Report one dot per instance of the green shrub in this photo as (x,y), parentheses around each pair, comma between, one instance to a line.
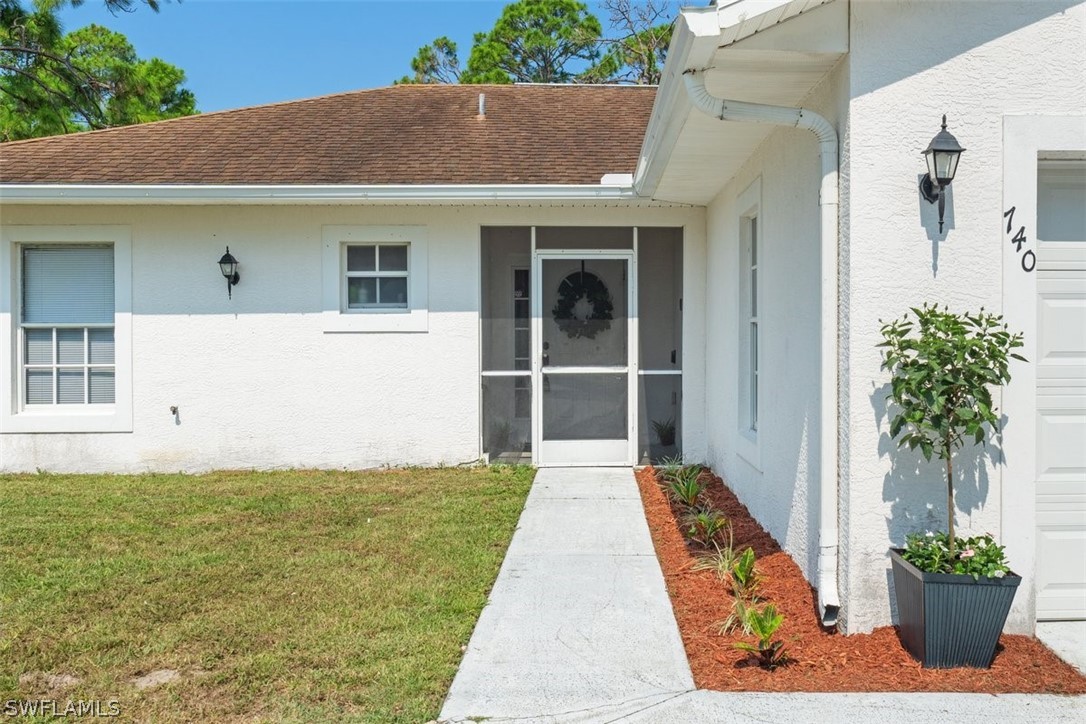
(942,368)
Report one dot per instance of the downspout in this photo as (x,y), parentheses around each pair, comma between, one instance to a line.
(727,110)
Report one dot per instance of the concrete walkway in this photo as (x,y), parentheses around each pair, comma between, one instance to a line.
(579,628)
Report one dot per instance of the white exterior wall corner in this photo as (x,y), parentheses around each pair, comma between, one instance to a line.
(695,401)
(257,380)
(783,494)
(910,62)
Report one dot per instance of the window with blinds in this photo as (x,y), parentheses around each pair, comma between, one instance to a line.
(67,325)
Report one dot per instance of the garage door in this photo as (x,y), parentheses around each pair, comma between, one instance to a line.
(1061,390)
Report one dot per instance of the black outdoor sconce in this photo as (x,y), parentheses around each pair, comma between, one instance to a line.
(229,267)
(942,159)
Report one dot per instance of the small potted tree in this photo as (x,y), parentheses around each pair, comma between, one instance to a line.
(953,594)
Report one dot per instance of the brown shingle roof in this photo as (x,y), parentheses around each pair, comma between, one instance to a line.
(532,134)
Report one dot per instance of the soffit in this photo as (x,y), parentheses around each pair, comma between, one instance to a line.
(759,59)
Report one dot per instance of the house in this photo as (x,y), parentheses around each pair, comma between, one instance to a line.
(577,275)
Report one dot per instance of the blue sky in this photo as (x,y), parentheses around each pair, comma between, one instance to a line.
(245,52)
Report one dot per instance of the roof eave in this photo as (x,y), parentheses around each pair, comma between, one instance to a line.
(693,42)
(698,36)
(294,194)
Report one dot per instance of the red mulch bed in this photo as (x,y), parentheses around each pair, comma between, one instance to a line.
(822,661)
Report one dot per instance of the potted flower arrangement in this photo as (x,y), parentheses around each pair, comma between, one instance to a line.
(953,594)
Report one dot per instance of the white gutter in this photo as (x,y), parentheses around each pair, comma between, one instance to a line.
(726,110)
(253,194)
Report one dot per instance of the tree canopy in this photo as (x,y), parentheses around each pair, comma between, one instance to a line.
(533,41)
(112,5)
(636,53)
(435,63)
(556,41)
(53,82)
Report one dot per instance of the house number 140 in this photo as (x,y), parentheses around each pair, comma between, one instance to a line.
(1029,259)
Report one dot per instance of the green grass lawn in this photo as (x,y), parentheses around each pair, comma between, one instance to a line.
(297,596)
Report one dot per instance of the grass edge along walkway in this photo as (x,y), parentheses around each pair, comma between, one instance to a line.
(288,595)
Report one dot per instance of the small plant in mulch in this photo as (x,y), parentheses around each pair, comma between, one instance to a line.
(704,525)
(738,618)
(820,660)
(745,578)
(708,526)
(672,468)
(685,487)
(763,623)
(667,469)
(722,558)
(744,581)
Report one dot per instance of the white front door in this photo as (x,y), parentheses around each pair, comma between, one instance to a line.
(584,366)
(1061,390)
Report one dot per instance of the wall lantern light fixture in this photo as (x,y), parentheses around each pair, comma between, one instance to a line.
(229,267)
(941,156)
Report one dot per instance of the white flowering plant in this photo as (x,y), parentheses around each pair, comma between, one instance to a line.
(977,556)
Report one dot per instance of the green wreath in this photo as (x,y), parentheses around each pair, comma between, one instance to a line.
(575,320)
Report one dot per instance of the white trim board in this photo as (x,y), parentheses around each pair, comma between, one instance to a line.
(1026,140)
(413,319)
(294,194)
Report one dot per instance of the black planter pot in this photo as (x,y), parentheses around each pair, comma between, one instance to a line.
(948,620)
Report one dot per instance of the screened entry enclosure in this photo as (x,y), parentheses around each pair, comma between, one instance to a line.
(581,344)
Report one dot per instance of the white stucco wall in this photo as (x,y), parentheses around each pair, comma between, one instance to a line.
(779,481)
(910,62)
(257,380)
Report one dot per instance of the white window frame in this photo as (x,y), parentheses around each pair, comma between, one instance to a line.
(377,274)
(753,341)
(15,415)
(337,318)
(750,219)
